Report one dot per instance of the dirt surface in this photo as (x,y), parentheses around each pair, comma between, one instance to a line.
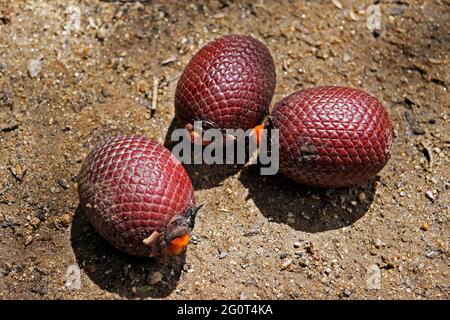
(64,87)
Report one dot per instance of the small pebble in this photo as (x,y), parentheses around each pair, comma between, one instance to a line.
(297,245)
(155,278)
(284,255)
(34,67)
(65,220)
(337,4)
(41,215)
(430,195)
(346,58)
(28,240)
(378,243)
(34,222)
(425,226)
(286,264)
(346,293)
(418,130)
(362,197)
(63,184)
(223,255)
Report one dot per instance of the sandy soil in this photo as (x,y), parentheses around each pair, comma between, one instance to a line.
(257,237)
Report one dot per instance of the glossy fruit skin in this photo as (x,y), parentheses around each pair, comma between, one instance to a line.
(332,136)
(229,84)
(129,187)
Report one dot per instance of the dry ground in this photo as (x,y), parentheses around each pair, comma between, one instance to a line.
(96,81)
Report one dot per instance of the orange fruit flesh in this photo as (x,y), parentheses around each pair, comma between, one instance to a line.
(257,132)
(178,244)
(197,139)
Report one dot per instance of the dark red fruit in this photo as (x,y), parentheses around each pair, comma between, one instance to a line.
(332,136)
(228,84)
(138,196)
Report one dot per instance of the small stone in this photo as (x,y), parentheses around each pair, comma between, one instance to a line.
(425,226)
(310,248)
(169,60)
(337,4)
(430,195)
(34,222)
(41,215)
(28,240)
(252,232)
(63,184)
(378,243)
(362,197)
(290,220)
(373,277)
(286,264)
(6,223)
(143,86)
(18,171)
(195,239)
(297,245)
(223,255)
(284,255)
(325,280)
(418,130)
(155,278)
(353,15)
(65,220)
(34,67)
(346,293)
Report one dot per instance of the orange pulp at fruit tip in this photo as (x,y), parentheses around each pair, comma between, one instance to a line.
(178,244)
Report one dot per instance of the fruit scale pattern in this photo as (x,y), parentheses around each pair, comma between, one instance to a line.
(332,136)
(130,187)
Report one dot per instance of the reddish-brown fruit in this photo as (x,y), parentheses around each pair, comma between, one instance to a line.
(332,136)
(138,196)
(228,84)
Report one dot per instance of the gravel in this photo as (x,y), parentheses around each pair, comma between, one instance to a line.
(34,67)
(87,79)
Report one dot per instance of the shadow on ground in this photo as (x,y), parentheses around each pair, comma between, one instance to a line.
(203,176)
(304,208)
(117,272)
